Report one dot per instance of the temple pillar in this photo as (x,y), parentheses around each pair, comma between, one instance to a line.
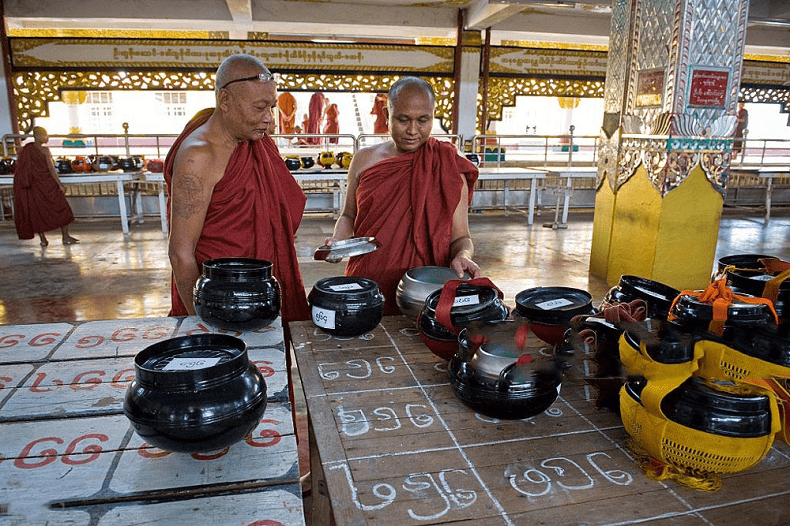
(670,105)
(468,83)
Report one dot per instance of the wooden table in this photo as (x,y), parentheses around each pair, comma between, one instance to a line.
(507,174)
(118,178)
(769,173)
(397,447)
(69,456)
(569,173)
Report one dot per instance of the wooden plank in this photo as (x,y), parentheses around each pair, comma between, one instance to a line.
(79,461)
(114,338)
(396,446)
(31,343)
(269,336)
(84,387)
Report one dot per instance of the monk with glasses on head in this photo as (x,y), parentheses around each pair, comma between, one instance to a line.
(229,191)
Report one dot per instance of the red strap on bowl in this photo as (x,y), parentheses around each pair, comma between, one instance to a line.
(447,298)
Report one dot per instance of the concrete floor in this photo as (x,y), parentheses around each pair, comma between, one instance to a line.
(112,276)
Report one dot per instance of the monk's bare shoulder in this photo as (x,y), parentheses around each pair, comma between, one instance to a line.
(196,170)
(372,155)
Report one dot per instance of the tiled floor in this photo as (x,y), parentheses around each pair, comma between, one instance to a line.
(109,275)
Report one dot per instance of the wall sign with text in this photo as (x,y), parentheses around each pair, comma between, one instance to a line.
(708,87)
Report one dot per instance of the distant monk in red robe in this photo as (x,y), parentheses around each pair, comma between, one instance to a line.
(39,197)
(286,106)
(380,111)
(315,113)
(411,193)
(230,194)
(332,125)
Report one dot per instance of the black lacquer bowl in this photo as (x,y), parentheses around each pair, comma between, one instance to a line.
(237,294)
(656,295)
(195,393)
(550,310)
(521,389)
(483,304)
(346,305)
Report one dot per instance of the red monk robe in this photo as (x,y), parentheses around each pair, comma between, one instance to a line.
(407,203)
(316,113)
(380,125)
(39,204)
(254,212)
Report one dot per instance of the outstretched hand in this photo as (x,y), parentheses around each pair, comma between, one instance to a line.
(462,264)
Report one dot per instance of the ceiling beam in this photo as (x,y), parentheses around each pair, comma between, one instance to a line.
(483,13)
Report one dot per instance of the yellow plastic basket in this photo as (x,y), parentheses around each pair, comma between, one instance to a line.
(691,451)
(722,363)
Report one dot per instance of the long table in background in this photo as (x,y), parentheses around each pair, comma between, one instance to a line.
(768,173)
(68,455)
(507,174)
(115,177)
(569,174)
(392,444)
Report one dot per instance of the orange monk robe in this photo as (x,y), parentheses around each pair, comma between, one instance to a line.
(286,106)
(315,114)
(407,203)
(39,203)
(254,212)
(332,124)
(380,125)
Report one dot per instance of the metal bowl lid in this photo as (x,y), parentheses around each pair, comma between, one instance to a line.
(354,246)
(553,304)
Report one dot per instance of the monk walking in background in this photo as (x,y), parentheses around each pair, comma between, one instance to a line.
(411,193)
(332,125)
(286,107)
(315,114)
(380,111)
(229,191)
(39,197)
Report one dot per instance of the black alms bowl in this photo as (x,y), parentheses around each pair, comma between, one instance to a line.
(346,305)
(195,393)
(237,294)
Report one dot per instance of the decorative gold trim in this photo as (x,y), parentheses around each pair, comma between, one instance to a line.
(116,33)
(34,91)
(555,45)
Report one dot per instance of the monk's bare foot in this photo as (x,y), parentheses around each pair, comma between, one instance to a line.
(70,240)
(44,243)
(43,239)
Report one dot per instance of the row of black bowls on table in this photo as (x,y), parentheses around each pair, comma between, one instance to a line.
(107,163)
(324,159)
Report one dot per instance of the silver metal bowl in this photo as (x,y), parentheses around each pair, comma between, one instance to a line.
(417,284)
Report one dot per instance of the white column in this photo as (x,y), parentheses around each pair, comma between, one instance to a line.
(467,94)
(6,125)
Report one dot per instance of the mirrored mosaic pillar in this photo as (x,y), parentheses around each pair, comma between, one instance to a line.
(670,103)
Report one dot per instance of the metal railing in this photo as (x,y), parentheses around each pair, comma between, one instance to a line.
(544,150)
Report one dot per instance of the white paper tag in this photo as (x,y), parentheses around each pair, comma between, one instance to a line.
(324,318)
(466,300)
(190,364)
(346,286)
(554,304)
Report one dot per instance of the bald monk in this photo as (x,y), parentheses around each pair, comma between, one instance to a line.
(286,106)
(39,197)
(230,193)
(411,193)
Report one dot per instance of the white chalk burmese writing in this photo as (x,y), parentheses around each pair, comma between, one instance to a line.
(354,422)
(568,476)
(433,490)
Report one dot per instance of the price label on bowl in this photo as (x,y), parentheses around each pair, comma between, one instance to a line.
(190,364)
(346,286)
(466,300)
(554,304)
(324,318)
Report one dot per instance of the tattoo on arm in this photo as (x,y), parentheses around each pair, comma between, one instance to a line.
(189,189)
